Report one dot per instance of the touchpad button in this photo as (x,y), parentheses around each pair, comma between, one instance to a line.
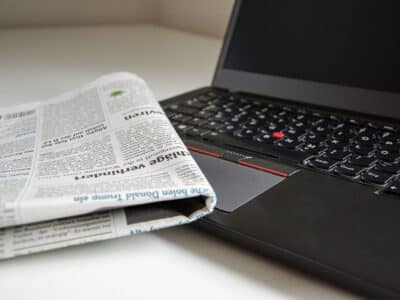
(235,185)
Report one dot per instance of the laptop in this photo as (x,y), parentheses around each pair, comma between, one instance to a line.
(299,135)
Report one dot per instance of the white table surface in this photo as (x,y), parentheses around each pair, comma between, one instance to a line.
(176,263)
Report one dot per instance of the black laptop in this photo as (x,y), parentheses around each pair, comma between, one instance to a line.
(299,134)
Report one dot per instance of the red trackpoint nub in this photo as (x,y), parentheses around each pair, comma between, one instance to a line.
(278,135)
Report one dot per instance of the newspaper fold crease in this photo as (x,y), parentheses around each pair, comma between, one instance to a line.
(99,162)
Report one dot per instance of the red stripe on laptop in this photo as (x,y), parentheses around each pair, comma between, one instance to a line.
(202,151)
(262,168)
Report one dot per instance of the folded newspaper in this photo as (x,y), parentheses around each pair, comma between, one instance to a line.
(96,163)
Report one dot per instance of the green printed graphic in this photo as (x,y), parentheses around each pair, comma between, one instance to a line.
(117,93)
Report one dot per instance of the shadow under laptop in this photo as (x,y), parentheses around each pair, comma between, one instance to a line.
(273,275)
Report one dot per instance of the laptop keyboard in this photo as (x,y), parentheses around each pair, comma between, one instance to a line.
(355,149)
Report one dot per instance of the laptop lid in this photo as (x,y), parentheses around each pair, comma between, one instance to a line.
(343,54)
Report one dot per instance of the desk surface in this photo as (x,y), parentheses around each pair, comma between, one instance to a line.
(171,264)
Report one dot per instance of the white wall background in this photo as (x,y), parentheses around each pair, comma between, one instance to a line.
(201,16)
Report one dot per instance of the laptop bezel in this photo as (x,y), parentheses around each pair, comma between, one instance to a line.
(371,102)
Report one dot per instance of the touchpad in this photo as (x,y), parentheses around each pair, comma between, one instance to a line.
(234,184)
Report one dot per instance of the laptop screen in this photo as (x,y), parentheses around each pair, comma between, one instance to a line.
(343,53)
(353,43)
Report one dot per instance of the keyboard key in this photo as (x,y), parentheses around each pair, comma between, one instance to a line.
(389,127)
(300,117)
(347,169)
(217,102)
(204,114)
(246,109)
(194,103)
(311,148)
(365,140)
(228,104)
(205,98)
(393,188)
(389,144)
(244,133)
(293,132)
(386,167)
(341,135)
(388,135)
(336,154)
(386,155)
(372,125)
(376,177)
(261,116)
(315,120)
(343,132)
(196,132)
(220,117)
(361,149)
(264,138)
(228,128)
(335,118)
(321,130)
(229,110)
(282,114)
(354,122)
(182,127)
(195,121)
(322,162)
(288,143)
(241,115)
(252,122)
(183,109)
(311,137)
(212,136)
(212,125)
(281,123)
(181,118)
(335,144)
(300,126)
(360,160)
(369,131)
(288,108)
(257,104)
(232,98)
(274,127)
(212,108)
(170,114)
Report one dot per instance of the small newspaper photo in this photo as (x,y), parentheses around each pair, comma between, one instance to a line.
(99,162)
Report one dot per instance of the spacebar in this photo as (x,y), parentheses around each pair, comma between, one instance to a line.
(265,149)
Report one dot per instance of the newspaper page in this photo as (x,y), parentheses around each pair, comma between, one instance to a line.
(96,163)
